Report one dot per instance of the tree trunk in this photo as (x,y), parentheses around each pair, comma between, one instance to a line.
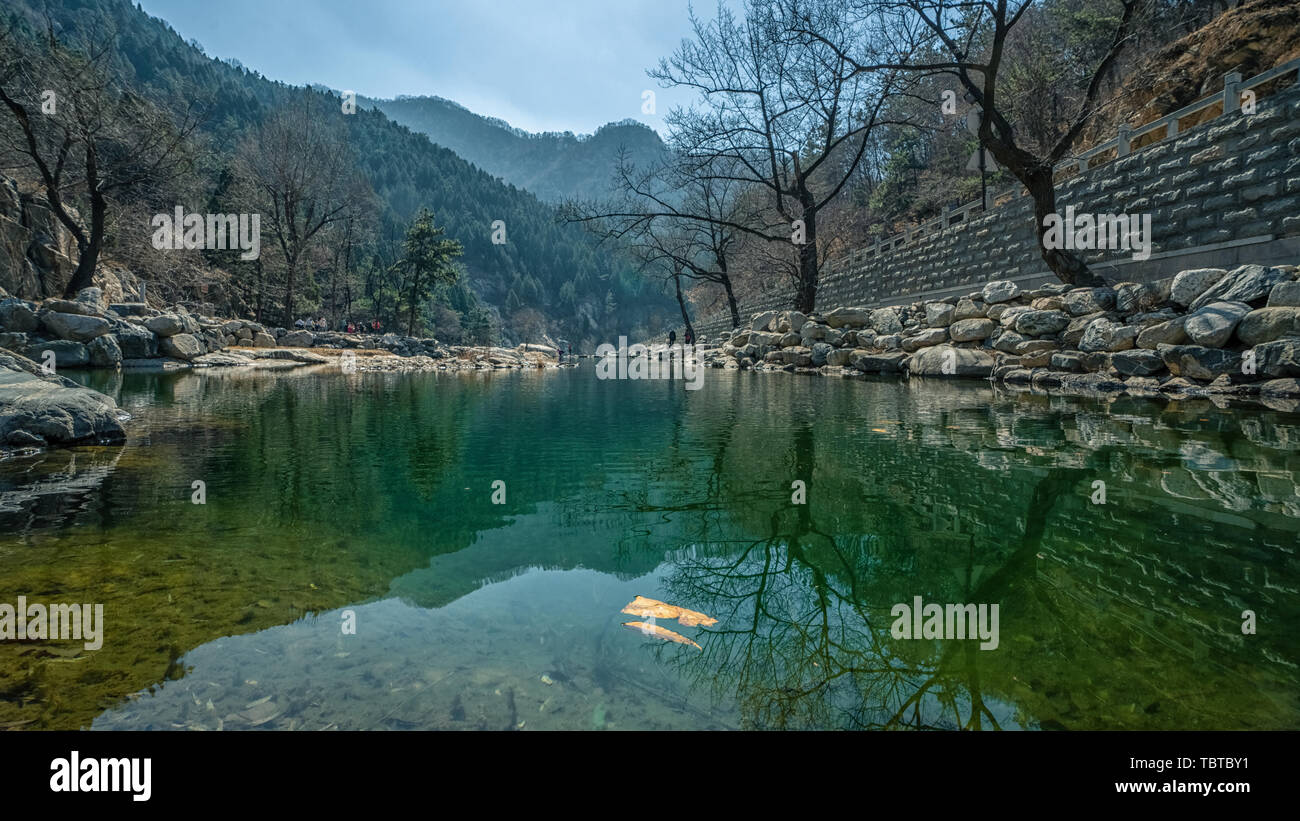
(731,299)
(681,303)
(410,312)
(1068,266)
(84,276)
(288,293)
(806,294)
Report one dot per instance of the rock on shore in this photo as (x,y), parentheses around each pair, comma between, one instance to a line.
(38,409)
(1207,332)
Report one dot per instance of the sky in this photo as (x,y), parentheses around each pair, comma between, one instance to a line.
(547,65)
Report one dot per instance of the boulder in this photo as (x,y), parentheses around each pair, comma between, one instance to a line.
(1245,284)
(1137,362)
(70,306)
(165,325)
(1041,323)
(1197,362)
(67,354)
(1212,325)
(820,351)
(1105,335)
(791,321)
(841,317)
(304,339)
(971,330)
(999,291)
(924,339)
(1082,301)
(1267,324)
(759,322)
(1074,331)
(262,339)
(944,360)
(1280,388)
(1162,333)
(1188,285)
(104,352)
(967,308)
(939,314)
(840,357)
(789,340)
(180,346)
(36,408)
(878,362)
(1278,358)
(136,342)
(1008,341)
(1132,297)
(1067,361)
(885,321)
(77,327)
(18,315)
(1285,295)
(889,342)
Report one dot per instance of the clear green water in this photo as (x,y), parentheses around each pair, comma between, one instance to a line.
(372,493)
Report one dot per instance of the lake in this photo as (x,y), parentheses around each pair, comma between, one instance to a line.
(452,551)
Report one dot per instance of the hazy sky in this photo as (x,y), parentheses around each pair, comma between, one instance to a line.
(562,65)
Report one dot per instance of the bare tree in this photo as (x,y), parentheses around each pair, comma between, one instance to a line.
(302,174)
(83,137)
(968,40)
(677,220)
(787,117)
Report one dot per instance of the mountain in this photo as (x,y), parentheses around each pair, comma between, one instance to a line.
(553,166)
(553,274)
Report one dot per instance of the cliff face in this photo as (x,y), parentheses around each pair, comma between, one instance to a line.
(37,254)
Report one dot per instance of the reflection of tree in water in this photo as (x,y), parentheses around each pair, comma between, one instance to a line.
(798,645)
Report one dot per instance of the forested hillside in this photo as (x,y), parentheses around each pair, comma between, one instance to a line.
(553,166)
(546,277)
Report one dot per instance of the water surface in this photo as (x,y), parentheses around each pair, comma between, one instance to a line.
(368,499)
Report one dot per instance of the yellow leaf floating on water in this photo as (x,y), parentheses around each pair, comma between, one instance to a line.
(648,608)
(659,632)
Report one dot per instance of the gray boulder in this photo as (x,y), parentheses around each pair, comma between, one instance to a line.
(1104,335)
(1198,362)
(971,330)
(759,322)
(944,360)
(1041,323)
(1267,324)
(77,327)
(104,352)
(136,341)
(165,325)
(1213,324)
(180,346)
(1137,362)
(1245,284)
(939,314)
(885,321)
(820,352)
(1188,285)
(1082,301)
(67,354)
(1285,295)
(1163,333)
(40,409)
(304,339)
(18,315)
(1278,358)
(841,317)
(1003,290)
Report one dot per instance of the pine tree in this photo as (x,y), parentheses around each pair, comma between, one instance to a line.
(426,262)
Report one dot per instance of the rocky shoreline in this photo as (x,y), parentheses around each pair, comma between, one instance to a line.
(1206,332)
(39,408)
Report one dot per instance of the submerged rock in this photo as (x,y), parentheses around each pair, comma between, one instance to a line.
(38,409)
